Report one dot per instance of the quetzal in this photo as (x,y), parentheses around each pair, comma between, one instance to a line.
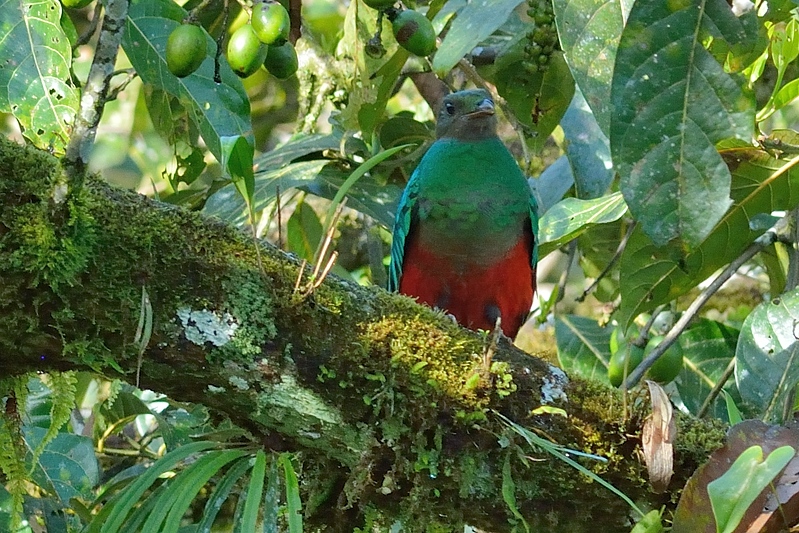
(465,232)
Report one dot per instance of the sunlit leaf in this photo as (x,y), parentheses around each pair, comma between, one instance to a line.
(470,26)
(35,62)
(673,102)
(733,493)
(589,32)
(570,217)
(767,357)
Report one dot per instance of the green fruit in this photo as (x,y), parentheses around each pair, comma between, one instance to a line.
(75,4)
(185,49)
(281,61)
(628,355)
(669,365)
(380,4)
(271,22)
(414,32)
(245,52)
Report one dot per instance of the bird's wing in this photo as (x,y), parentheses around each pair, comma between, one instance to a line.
(406,212)
(533,210)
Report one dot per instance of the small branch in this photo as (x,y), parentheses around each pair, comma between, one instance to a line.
(717,388)
(130,75)
(611,263)
(86,36)
(572,253)
(792,279)
(95,92)
(761,243)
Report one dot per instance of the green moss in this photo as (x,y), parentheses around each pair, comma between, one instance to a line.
(49,234)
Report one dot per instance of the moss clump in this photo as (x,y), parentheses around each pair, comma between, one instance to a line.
(47,231)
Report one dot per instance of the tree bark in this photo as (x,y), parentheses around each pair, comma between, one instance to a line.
(393,409)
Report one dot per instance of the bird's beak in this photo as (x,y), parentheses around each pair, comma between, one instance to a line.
(484,109)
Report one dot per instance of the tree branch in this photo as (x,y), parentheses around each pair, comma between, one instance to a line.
(377,393)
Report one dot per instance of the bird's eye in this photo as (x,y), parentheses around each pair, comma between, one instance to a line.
(450,108)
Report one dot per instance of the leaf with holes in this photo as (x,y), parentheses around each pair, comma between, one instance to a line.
(35,61)
(570,217)
(673,102)
(761,183)
(767,357)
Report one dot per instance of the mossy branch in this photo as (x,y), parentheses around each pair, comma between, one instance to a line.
(376,392)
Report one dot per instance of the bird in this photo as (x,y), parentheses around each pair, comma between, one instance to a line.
(465,236)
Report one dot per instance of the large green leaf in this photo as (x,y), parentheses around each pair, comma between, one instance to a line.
(35,62)
(733,493)
(761,183)
(583,346)
(672,103)
(767,357)
(708,347)
(570,217)
(67,467)
(587,149)
(220,110)
(471,25)
(589,32)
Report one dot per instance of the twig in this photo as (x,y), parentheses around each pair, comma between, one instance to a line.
(572,253)
(760,244)
(792,279)
(279,218)
(95,93)
(130,75)
(611,263)
(717,388)
(86,36)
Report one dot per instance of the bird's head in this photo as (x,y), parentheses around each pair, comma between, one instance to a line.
(467,115)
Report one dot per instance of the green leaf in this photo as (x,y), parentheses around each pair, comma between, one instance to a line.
(570,217)
(708,348)
(221,493)
(271,499)
(583,346)
(237,155)
(733,492)
(220,110)
(761,183)
(186,486)
(650,523)
(538,100)
(673,102)
(36,62)
(767,357)
(67,467)
(116,510)
(293,503)
(303,231)
(733,413)
(255,488)
(589,32)
(470,26)
(509,492)
(587,148)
